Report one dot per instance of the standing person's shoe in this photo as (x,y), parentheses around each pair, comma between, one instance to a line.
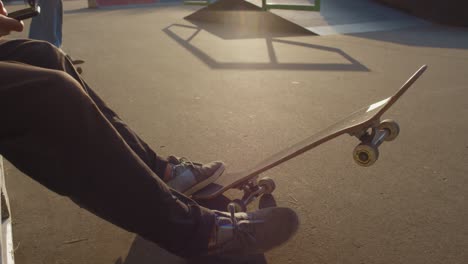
(252,232)
(188,177)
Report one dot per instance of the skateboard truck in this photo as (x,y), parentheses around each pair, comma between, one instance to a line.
(367,152)
(252,189)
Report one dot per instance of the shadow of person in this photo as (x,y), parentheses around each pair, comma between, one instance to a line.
(267,200)
(143,251)
(146,252)
(253,259)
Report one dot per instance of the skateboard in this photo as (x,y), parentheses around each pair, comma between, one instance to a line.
(363,124)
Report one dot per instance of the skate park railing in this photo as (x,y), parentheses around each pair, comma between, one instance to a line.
(6,233)
(267,6)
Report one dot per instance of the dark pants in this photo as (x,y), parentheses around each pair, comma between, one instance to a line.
(55,129)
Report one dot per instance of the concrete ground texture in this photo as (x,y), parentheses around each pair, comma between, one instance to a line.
(199,92)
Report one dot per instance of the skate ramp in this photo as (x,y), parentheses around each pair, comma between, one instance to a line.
(233,19)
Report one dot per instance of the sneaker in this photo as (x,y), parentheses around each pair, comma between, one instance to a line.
(252,232)
(189,177)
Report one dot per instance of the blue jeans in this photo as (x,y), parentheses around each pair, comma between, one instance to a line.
(48,25)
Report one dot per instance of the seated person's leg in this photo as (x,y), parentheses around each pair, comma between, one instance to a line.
(59,137)
(53,132)
(44,55)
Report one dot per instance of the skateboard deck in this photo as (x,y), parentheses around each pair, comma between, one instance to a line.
(364,124)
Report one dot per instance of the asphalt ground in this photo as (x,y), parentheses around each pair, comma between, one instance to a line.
(191,92)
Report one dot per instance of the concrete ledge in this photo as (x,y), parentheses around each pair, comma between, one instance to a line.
(6,232)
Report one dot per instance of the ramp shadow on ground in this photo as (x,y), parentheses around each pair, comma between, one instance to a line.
(145,252)
(273,64)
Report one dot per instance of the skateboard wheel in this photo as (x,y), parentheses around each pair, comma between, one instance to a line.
(79,70)
(268,185)
(365,155)
(392,127)
(239,206)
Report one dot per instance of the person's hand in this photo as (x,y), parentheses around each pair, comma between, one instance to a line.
(8,24)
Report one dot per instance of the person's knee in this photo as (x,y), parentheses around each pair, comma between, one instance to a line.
(44,47)
(46,54)
(64,87)
(51,90)
(37,53)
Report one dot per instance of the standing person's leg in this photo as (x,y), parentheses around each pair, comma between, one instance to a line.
(59,23)
(48,25)
(43,55)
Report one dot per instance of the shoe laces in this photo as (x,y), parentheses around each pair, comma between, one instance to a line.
(243,228)
(183,162)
